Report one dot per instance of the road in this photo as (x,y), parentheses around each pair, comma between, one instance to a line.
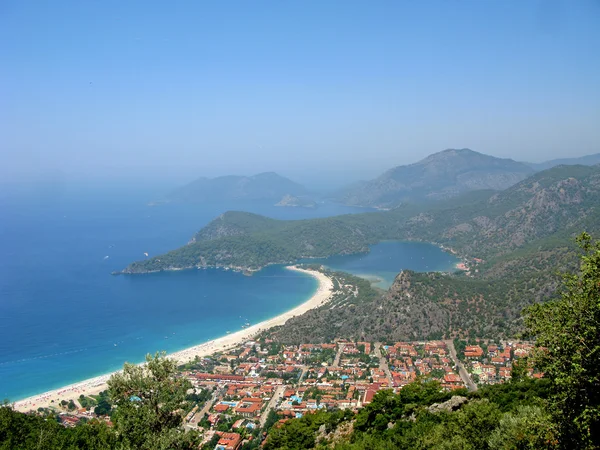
(208,404)
(277,394)
(301,377)
(461,369)
(383,365)
(336,361)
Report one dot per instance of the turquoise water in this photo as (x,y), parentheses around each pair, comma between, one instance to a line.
(387,259)
(64,318)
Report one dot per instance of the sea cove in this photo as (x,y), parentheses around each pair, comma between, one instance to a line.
(386,259)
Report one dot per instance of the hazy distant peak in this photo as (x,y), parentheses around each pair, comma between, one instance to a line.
(262,186)
(588,160)
(267,174)
(443,174)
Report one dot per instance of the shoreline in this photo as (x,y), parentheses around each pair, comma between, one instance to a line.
(93,386)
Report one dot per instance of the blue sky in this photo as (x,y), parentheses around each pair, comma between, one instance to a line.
(311,89)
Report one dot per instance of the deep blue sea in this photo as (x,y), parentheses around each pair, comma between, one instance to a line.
(64,318)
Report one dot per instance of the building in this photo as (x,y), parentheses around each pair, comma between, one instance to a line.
(228,441)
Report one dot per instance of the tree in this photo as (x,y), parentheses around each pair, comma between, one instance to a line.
(103,408)
(568,350)
(149,401)
(529,427)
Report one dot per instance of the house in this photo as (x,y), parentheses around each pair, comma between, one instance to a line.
(228,441)
(473,351)
(489,370)
(289,393)
(218,377)
(221,408)
(249,407)
(452,378)
(505,372)
(69,421)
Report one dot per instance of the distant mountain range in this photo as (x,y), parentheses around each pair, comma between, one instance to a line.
(444,175)
(264,186)
(440,176)
(588,160)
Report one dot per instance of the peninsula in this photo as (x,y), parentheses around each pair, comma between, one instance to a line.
(296,202)
(483,224)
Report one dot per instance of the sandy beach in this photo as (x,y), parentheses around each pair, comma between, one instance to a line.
(95,385)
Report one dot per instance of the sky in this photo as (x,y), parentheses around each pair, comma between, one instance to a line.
(311,89)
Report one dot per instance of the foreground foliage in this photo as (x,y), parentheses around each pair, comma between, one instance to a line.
(568,334)
(147,415)
(510,416)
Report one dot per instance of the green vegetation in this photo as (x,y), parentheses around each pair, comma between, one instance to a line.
(22,431)
(104,406)
(560,411)
(338,318)
(507,416)
(567,330)
(524,234)
(147,400)
(147,405)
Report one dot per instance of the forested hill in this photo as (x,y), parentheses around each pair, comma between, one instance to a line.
(552,205)
(264,186)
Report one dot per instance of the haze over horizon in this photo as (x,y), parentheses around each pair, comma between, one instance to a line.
(313,91)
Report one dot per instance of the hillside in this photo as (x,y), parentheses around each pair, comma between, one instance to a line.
(442,175)
(264,186)
(523,236)
(555,203)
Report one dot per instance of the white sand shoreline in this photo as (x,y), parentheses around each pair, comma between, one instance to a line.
(95,385)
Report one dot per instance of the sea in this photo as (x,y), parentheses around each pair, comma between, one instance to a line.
(64,317)
(386,259)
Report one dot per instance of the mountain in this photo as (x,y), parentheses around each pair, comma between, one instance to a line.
(264,186)
(442,175)
(482,224)
(588,160)
(527,237)
(514,243)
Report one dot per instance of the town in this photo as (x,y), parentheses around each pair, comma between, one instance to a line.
(239,394)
